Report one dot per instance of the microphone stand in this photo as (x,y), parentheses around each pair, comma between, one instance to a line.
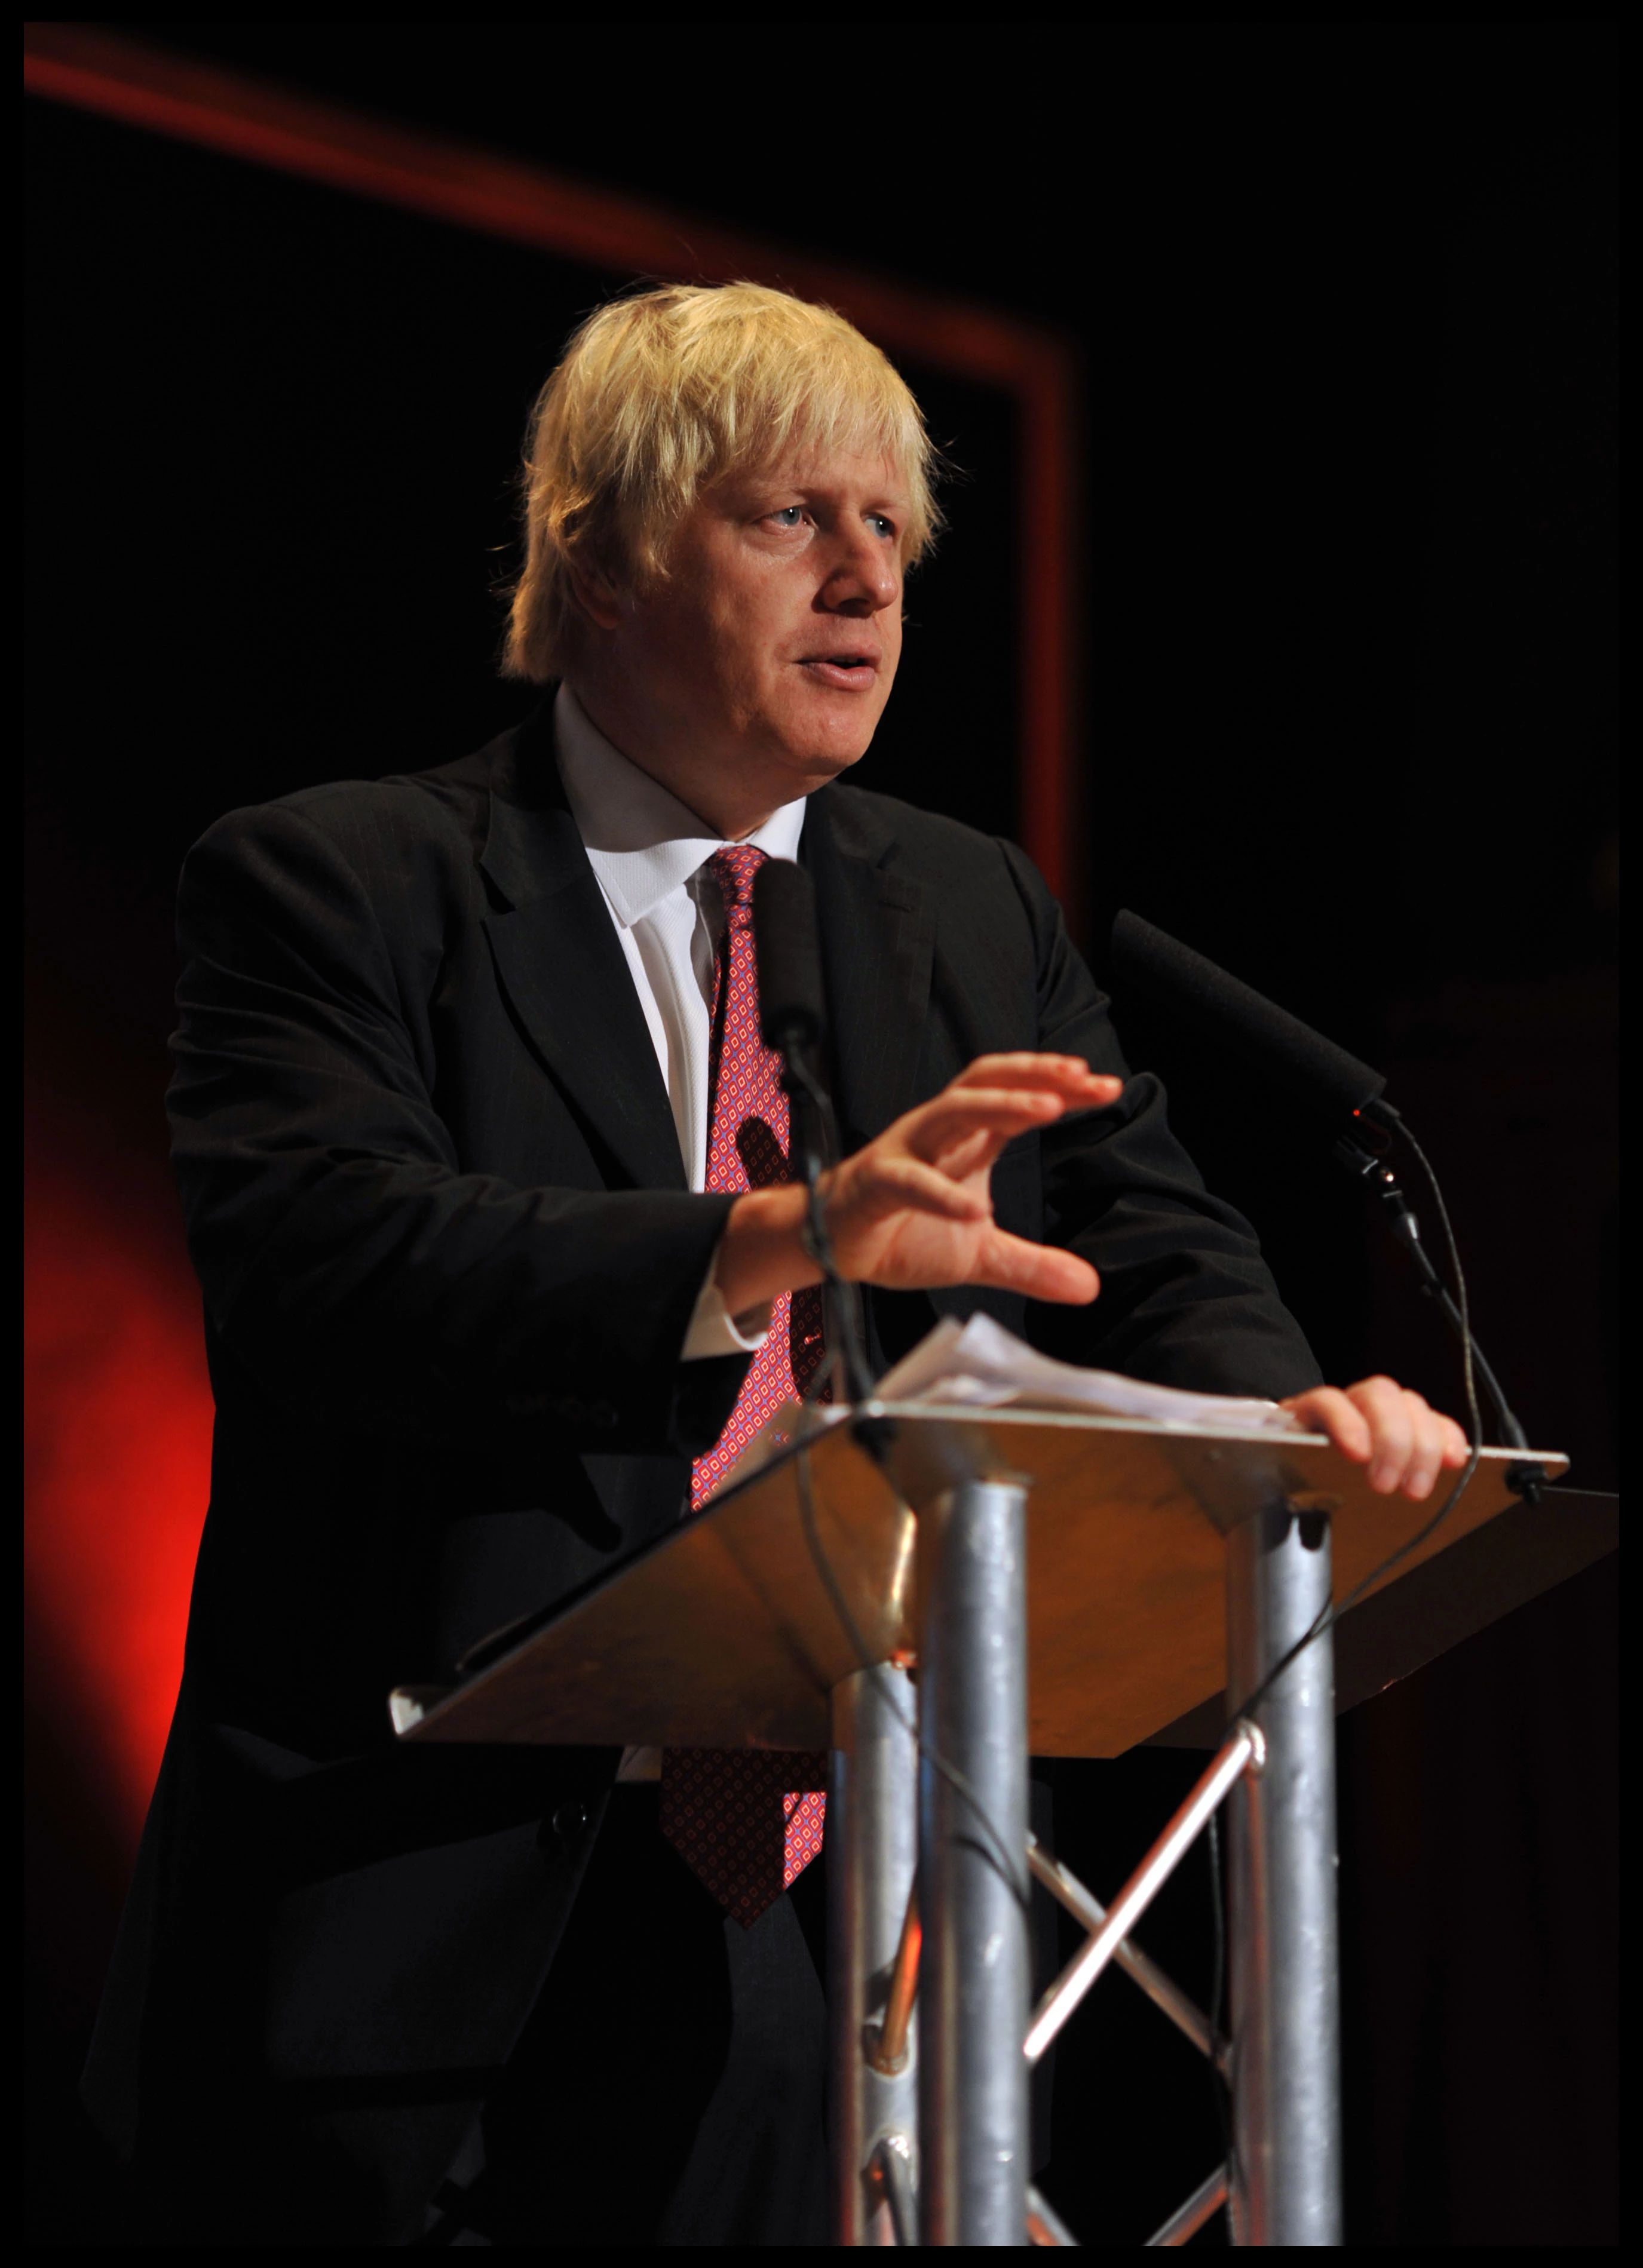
(792,1020)
(812,1139)
(1526,1476)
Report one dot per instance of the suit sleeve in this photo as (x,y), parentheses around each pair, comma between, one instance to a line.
(1186,1298)
(347,1259)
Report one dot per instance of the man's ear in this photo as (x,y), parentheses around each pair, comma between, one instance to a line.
(596,594)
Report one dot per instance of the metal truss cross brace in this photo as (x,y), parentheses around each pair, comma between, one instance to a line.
(1244,1751)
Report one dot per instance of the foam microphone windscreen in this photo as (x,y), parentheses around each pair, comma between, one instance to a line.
(788,954)
(1147,963)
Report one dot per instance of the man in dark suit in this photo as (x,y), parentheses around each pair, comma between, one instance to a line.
(493,1274)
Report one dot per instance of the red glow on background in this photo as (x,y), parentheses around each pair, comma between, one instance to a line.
(118,1446)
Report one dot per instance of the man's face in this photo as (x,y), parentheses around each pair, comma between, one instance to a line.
(760,667)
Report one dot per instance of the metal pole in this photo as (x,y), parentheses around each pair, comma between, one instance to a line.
(1285,1966)
(873,1841)
(973,1886)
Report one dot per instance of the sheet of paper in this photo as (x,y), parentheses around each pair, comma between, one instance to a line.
(979,1365)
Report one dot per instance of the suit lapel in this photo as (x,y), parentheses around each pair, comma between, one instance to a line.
(559,962)
(878,941)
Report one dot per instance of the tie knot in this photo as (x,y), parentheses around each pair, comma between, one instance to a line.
(734,869)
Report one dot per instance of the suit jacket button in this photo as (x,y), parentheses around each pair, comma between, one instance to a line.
(569,1819)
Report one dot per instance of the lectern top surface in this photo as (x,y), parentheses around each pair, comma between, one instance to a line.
(725,1634)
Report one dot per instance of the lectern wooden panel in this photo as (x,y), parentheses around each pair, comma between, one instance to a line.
(723,1635)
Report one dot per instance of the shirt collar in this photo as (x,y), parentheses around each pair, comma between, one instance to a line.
(641,841)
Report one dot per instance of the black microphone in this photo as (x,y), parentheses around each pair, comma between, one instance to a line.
(1318,1073)
(793,1019)
(1313,1068)
(793,1022)
(789,955)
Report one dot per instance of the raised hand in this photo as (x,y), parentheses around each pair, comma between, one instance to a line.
(913,1209)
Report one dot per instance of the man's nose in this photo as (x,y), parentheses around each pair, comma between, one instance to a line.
(865,576)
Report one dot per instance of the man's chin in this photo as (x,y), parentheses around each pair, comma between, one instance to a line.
(816,771)
(817,757)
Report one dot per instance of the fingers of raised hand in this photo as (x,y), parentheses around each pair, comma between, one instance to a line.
(884,1181)
(959,1113)
(1067,1076)
(975,1153)
(1038,1271)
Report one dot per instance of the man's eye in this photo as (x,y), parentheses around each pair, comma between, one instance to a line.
(880,525)
(790,515)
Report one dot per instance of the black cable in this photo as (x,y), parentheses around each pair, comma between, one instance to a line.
(1468,1351)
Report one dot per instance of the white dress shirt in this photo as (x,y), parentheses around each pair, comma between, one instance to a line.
(649,853)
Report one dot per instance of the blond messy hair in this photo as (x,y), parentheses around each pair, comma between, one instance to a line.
(657,397)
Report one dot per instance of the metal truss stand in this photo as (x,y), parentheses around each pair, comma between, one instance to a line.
(898,1581)
(931,2126)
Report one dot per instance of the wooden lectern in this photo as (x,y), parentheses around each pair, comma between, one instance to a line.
(991,1585)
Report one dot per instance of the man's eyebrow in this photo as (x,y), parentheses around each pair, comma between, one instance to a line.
(823,492)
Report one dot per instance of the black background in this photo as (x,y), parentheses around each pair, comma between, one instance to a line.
(1346,303)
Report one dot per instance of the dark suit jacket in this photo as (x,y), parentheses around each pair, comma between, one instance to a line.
(434,1196)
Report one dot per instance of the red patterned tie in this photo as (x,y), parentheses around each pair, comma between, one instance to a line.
(749,1820)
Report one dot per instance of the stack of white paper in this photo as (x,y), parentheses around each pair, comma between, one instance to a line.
(980,1365)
